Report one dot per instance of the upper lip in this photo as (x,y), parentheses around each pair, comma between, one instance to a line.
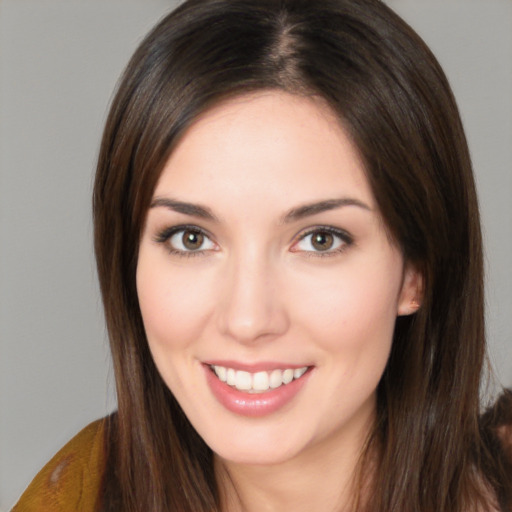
(253,367)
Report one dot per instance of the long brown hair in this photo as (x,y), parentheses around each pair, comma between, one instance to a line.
(394,99)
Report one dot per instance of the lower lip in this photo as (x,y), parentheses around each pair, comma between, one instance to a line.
(254,404)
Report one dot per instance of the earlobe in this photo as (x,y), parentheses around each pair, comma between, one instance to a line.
(411,294)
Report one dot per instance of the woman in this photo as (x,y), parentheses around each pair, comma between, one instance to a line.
(289,252)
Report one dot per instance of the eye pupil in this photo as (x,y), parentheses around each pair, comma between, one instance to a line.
(192,240)
(322,241)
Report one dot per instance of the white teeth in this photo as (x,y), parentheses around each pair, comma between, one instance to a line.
(221,372)
(287,376)
(243,381)
(258,382)
(231,376)
(299,372)
(276,379)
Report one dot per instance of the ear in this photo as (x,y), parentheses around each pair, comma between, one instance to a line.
(411,294)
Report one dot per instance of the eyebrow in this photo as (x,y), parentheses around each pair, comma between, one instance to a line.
(195,210)
(293,215)
(307,210)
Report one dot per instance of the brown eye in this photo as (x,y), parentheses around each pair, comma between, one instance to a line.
(187,240)
(322,241)
(192,240)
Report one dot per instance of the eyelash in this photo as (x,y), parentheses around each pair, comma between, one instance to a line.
(166,234)
(345,238)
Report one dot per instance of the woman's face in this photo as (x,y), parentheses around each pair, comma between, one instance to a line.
(268,285)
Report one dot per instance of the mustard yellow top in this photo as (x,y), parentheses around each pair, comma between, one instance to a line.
(71,481)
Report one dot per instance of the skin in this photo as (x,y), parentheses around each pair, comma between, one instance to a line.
(259,290)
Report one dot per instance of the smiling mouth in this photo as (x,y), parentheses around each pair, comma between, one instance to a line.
(258,382)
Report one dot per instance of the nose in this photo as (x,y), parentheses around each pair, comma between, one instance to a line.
(251,305)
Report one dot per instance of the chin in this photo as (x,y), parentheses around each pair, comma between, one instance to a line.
(264,441)
(257,454)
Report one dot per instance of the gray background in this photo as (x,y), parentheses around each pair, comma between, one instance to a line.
(59,61)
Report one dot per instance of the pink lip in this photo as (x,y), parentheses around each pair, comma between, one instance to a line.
(253,404)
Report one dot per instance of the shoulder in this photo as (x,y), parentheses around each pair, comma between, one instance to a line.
(71,480)
(498,420)
(496,455)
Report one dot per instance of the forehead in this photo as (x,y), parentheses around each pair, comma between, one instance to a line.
(268,146)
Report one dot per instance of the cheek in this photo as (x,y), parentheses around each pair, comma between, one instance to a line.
(174,304)
(350,314)
(351,309)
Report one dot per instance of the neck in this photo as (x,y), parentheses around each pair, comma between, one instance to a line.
(322,477)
